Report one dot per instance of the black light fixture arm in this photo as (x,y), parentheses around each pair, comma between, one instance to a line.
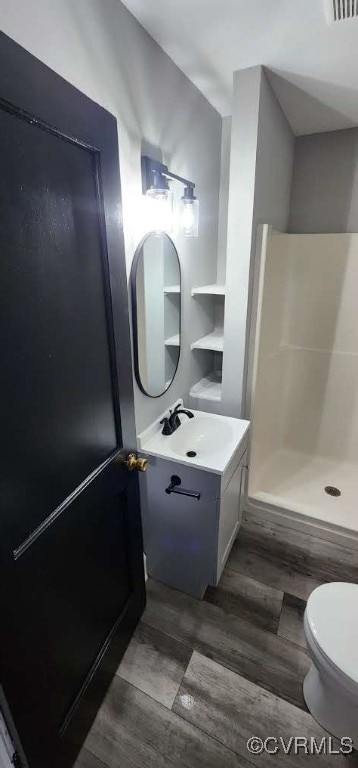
(186,183)
(152,170)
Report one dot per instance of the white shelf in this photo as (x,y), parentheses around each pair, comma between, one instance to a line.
(172,289)
(209,388)
(173,341)
(209,290)
(213,341)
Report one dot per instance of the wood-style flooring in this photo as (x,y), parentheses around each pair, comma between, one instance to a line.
(200,678)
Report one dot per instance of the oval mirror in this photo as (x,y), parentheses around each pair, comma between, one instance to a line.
(156,307)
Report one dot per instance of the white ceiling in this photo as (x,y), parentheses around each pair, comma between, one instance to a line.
(314,65)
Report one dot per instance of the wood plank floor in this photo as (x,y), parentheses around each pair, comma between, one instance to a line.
(201,677)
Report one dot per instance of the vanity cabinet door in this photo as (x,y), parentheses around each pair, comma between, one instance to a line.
(180,532)
(230,515)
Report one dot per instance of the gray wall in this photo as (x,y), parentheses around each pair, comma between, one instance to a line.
(224,199)
(262,146)
(99,47)
(324,195)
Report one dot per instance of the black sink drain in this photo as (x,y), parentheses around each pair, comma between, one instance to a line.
(332,490)
(191,454)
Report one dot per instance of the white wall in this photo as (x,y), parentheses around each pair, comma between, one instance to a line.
(224,199)
(262,146)
(99,47)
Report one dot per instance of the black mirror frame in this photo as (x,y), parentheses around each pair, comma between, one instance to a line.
(133,278)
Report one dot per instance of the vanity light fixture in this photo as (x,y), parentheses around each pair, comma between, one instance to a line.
(189,213)
(162,207)
(155,178)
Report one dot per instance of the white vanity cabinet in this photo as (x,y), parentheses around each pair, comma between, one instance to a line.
(188,540)
(230,507)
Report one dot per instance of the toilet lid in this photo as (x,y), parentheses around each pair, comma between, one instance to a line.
(332,615)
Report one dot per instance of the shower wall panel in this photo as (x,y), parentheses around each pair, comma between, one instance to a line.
(305,397)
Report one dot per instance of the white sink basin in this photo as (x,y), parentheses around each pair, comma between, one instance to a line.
(200,436)
(207,441)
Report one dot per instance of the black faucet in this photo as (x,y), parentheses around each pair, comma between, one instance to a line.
(172,422)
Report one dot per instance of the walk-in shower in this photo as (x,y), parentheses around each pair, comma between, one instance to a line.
(304,452)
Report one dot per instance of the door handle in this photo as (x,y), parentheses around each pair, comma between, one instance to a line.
(132,462)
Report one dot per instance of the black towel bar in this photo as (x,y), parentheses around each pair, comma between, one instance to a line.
(173,488)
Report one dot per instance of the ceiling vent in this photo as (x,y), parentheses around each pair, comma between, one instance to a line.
(341,10)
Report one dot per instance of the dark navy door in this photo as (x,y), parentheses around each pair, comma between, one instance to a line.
(72,586)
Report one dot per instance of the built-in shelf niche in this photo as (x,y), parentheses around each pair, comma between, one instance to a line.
(209,290)
(209,386)
(213,341)
(173,341)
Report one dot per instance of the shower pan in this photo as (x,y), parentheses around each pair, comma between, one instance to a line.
(304,449)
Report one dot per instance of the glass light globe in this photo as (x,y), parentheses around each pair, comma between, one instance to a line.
(161,209)
(190,217)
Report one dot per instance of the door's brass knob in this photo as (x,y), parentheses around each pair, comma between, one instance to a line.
(132,462)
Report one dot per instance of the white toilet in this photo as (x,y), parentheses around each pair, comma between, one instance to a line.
(331,685)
